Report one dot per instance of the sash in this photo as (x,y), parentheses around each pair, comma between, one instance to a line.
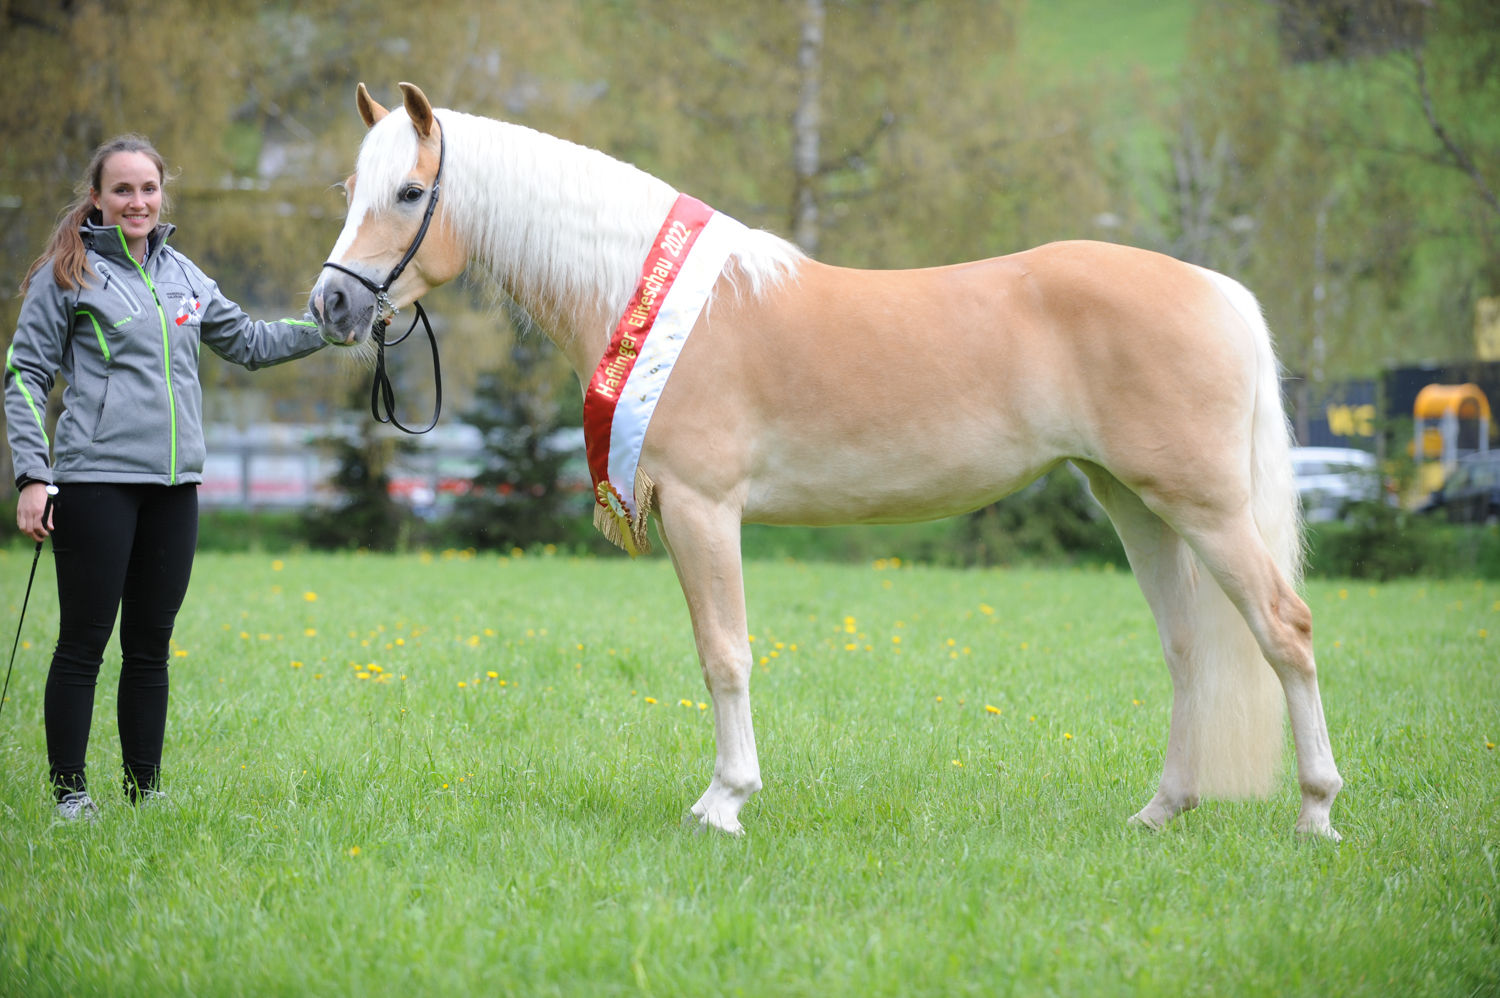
(677,278)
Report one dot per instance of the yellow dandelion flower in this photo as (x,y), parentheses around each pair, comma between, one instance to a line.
(182,653)
(704,706)
(354,850)
(951,642)
(296,665)
(310,632)
(986,609)
(462,684)
(276,565)
(310,597)
(1067,736)
(493,674)
(958,763)
(651,699)
(1483,633)
(685,703)
(991,709)
(1343,594)
(851,646)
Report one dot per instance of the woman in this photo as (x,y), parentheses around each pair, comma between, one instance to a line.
(121,315)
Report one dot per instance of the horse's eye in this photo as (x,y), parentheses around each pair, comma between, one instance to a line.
(410,194)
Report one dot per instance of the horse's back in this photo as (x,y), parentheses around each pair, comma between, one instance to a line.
(889,395)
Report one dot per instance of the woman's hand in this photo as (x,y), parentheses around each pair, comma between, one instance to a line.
(31,509)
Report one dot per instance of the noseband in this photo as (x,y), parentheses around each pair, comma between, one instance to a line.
(382,394)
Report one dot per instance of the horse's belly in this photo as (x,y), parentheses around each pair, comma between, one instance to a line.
(844,484)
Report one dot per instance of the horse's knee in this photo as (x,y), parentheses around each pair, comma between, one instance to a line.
(726,674)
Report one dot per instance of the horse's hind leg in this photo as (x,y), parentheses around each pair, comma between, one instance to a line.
(1167,575)
(704,543)
(1282,624)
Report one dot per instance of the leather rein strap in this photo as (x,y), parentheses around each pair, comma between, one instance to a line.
(382,393)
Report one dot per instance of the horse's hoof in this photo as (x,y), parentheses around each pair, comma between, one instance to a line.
(1147,819)
(1319,830)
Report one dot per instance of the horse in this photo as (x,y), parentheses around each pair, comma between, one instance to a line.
(814,394)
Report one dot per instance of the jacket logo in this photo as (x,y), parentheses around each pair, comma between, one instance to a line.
(189,311)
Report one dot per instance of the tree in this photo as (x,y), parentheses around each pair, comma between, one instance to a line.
(530,489)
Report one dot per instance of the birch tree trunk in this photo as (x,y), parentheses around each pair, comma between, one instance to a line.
(805,127)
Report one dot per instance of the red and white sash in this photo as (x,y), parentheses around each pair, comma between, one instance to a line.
(679,274)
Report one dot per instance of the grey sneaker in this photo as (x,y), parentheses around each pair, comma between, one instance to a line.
(152,798)
(77,806)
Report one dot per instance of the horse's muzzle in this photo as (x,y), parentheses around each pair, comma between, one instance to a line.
(343,309)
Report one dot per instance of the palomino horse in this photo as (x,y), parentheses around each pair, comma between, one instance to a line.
(812,394)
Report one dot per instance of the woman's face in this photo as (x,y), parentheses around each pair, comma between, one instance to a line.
(129,195)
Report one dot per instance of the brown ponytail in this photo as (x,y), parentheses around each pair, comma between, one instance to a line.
(65,248)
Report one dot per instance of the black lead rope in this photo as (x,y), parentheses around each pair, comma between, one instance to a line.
(382,393)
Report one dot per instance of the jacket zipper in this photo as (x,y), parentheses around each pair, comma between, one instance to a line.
(166,350)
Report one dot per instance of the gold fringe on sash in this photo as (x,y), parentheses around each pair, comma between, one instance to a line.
(630,534)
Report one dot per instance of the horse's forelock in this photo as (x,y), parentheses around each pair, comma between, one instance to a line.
(386,157)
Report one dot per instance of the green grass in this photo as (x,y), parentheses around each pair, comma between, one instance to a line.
(497,810)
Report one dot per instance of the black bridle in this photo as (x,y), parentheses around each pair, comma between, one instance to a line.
(382,395)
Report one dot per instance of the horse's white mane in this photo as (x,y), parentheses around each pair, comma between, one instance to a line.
(556,225)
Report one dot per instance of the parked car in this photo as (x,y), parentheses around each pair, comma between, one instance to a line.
(1471,493)
(1330,480)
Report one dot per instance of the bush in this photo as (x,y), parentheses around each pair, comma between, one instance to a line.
(1053,520)
(1382,542)
(239,530)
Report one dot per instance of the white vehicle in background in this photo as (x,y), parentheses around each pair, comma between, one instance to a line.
(1332,479)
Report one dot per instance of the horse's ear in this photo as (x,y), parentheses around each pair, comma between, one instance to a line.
(418,109)
(369,110)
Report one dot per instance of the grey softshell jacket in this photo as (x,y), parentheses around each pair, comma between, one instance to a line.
(127,344)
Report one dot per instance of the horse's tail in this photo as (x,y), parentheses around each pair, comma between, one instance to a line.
(1236,717)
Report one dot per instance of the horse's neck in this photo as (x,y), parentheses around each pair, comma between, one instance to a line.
(562,230)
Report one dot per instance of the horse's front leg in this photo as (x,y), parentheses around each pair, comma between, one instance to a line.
(704,541)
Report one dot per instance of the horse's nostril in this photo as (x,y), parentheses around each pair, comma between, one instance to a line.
(335,305)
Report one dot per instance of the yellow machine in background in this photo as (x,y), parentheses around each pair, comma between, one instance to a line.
(1450,420)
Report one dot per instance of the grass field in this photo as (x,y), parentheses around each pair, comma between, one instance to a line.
(452,775)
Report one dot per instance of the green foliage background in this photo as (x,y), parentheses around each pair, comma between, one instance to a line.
(948,132)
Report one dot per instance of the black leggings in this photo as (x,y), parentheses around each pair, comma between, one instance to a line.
(127,548)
